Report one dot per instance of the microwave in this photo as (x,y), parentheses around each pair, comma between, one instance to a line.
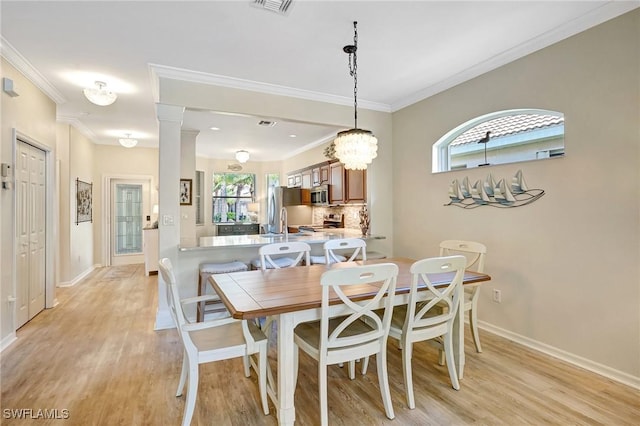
(320,195)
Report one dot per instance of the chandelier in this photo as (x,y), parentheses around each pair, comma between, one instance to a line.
(355,148)
(99,95)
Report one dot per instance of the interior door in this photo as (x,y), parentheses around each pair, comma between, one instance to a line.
(30,229)
(129,199)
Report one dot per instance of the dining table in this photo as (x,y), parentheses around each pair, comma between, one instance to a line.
(294,295)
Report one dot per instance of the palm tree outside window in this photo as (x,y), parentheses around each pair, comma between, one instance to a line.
(232,193)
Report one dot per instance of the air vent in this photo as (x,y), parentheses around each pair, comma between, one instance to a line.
(267,123)
(234,167)
(278,6)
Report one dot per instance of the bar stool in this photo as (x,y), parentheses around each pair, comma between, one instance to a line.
(206,270)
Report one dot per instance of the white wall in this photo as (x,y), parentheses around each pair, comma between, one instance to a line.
(568,264)
(33,114)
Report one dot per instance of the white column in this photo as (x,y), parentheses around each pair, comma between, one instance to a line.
(188,171)
(170,123)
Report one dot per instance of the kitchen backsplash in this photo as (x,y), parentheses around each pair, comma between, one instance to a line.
(351,216)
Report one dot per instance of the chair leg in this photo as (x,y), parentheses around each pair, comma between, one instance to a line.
(473,322)
(383,381)
(183,374)
(296,354)
(247,365)
(192,392)
(365,364)
(352,369)
(441,356)
(448,350)
(408,374)
(262,378)
(322,385)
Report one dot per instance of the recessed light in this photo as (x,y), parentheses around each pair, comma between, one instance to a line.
(293,136)
(214,128)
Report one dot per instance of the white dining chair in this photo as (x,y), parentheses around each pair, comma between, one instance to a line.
(422,319)
(210,341)
(474,254)
(276,255)
(357,249)
(343,336)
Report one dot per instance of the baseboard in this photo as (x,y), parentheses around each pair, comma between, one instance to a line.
(79,278)
(163,320)
(7,341)
(601,369)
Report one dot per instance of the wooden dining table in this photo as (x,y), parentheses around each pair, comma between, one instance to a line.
(294,296)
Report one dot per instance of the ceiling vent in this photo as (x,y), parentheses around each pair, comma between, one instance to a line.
(266,123)
(278,6)
(234,167)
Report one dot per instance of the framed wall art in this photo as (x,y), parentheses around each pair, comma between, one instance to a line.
(186,197)
(84,201)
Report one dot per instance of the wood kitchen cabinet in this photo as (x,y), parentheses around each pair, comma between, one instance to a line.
(295,180)
(320,175)
(336,192)
(306,179)
(347,186)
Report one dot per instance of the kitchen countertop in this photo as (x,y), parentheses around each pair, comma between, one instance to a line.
(263,239)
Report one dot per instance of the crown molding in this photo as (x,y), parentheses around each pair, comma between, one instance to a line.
(24,66)
(590,19)
(162,71)
(78,125)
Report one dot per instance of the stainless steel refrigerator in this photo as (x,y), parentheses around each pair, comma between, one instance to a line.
(280,197)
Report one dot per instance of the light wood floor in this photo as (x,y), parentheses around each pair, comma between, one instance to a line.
(96,354)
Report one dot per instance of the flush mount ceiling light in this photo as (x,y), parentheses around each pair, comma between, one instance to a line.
(128,142)
(99,95)
(355,147)
(242,156)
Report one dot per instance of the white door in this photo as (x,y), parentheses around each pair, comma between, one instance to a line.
(129,199)
(30,230)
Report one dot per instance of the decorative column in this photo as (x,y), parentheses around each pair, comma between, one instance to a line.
(188,171)
(169,154)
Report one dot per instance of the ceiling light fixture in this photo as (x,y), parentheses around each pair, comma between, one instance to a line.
(128,142)
(99,95)
(355,147)
(242,156)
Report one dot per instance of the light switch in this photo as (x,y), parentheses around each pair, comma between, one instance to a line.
(167,220)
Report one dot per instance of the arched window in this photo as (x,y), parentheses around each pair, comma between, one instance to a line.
(515,135)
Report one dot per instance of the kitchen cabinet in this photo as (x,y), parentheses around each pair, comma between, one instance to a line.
(336,190)
(347,186)
(150,250)
(295,180)
(320,175)
(306,179)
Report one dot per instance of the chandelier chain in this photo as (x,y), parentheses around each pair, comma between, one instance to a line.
(353,71)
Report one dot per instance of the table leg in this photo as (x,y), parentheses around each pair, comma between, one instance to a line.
(458,336)
(286,367)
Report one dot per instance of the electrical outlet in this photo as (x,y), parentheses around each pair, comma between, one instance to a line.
(497,295)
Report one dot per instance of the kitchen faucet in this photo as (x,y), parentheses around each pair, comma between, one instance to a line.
(283,221)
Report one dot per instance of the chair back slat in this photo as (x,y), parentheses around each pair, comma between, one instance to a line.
(357,244)
(268,253)
(381,278)
(473,252)
(434,296)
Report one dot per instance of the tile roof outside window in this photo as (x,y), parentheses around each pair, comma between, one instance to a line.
(508,125)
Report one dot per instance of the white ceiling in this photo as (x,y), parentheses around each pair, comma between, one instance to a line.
(408,50)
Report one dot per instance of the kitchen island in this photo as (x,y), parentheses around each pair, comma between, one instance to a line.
(258,240)
(243,248)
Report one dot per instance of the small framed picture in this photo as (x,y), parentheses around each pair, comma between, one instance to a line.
(185,192)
